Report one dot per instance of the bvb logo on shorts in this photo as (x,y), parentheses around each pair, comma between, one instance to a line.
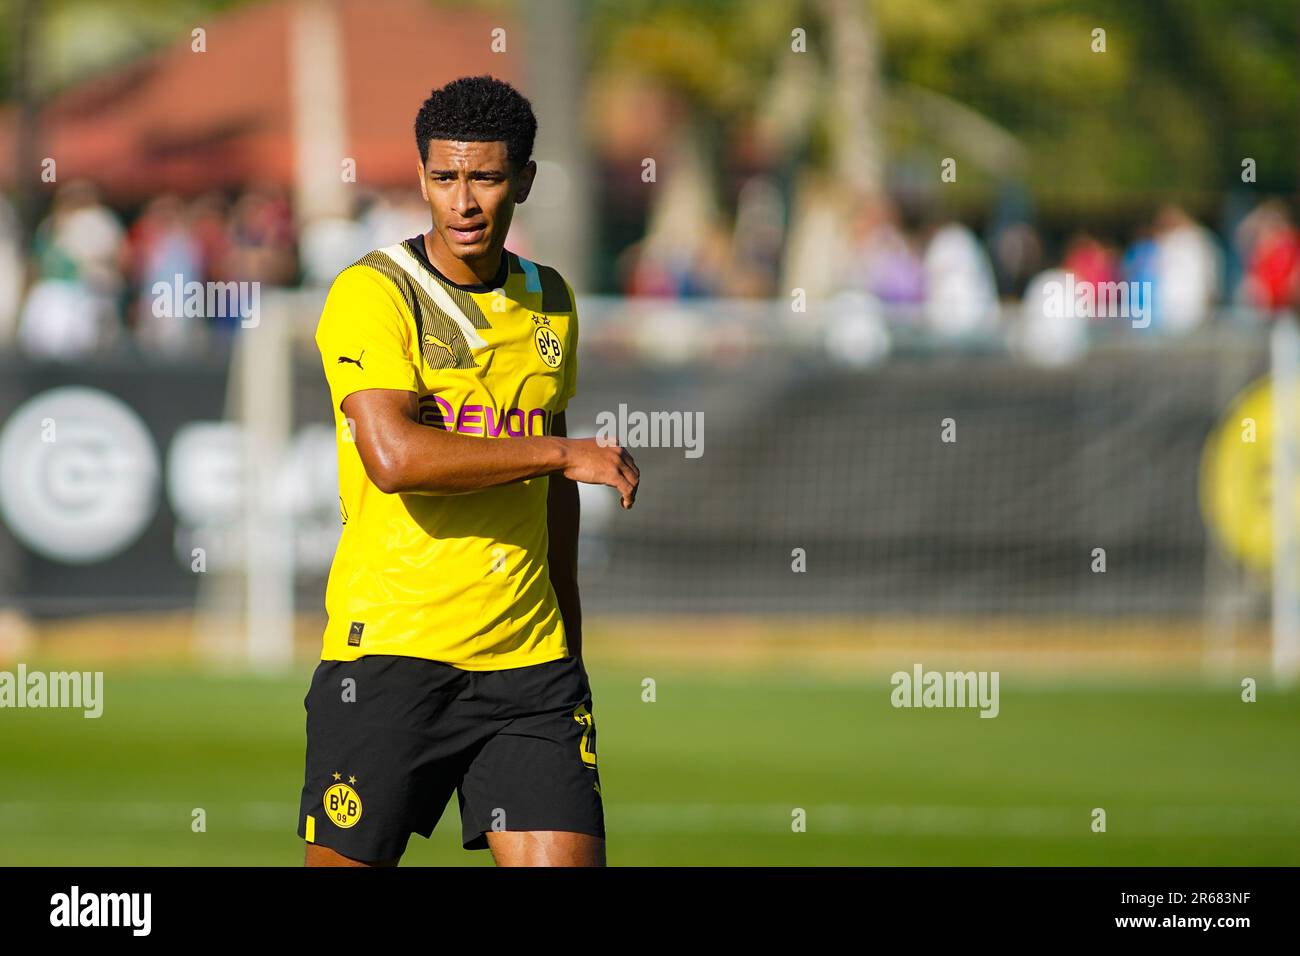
(547,342)
(342,805)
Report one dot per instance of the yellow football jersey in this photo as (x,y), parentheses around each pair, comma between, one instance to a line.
(462,578)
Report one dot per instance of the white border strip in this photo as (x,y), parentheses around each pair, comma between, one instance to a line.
(403,257)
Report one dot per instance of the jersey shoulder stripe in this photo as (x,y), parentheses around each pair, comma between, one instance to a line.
(546,280)
(446,333)
(439,293)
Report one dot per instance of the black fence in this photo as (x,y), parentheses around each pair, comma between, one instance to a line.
(928,483)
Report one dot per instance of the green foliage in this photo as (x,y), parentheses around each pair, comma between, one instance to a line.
(1184,90)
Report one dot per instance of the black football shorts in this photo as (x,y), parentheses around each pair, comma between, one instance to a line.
(389,738)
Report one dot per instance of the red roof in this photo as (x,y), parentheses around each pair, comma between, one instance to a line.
(192,122)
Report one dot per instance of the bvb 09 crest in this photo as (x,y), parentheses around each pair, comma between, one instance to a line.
(342,804)
(547,342)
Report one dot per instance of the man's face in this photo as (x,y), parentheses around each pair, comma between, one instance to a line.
(472,190)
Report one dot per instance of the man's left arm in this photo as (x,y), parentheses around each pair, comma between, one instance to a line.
(562,515)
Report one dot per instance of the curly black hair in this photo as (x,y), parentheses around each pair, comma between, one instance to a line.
(478,109)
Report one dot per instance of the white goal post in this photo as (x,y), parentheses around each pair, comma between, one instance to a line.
(1285,359)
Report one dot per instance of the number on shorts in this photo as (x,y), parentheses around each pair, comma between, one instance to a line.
(586,748)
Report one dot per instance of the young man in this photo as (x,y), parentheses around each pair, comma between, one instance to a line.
(452,659)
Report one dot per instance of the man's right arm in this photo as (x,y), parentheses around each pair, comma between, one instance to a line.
(402,456)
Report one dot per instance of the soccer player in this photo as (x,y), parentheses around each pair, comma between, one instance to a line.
(452,659)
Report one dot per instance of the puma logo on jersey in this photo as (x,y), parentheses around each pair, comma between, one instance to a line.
(431,339)
(355,361)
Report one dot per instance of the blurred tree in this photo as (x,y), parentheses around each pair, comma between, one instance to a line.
(1014,89)
(1182,92)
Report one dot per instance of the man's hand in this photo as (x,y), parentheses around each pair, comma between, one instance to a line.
(401,456)
(589,461)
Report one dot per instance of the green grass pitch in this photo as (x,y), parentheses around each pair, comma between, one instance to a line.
(711,773)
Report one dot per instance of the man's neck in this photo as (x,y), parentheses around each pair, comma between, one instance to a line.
(462,271)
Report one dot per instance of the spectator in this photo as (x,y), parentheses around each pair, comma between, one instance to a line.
(1017,256)
(1089,260)
(1053,328)
(395,216)
(209,218)
(263,245)
(757,238)
(166,254)
(262,240)
(59,321)
(72,309)
(1188,270)
(961,297)
(1096,266)
(1138,267)
(1269,245)
(883,257)
(327,246)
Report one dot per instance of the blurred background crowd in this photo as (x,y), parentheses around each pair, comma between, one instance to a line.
(798,148)
(92,270)
(89,275)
